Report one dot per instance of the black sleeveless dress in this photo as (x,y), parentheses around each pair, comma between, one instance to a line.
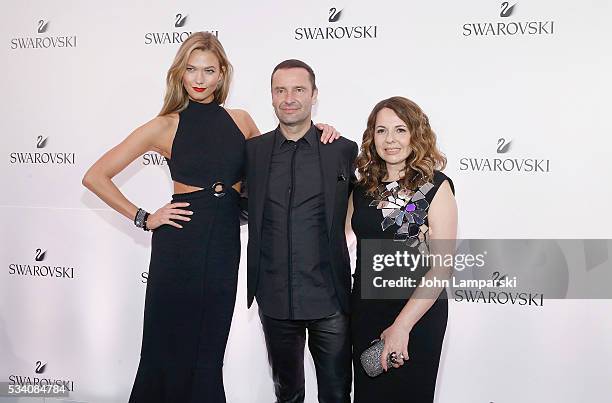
(191,288)
(415,381)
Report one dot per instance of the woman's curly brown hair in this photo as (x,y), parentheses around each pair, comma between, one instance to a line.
(423,159)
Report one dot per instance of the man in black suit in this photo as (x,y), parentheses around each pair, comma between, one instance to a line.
(298,262)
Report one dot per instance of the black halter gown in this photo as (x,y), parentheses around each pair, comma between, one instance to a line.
(191,288)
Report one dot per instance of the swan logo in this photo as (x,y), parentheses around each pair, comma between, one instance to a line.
(172,37)
(494,164)
(42,158)
(153,158)
(43,26)
(505,28)
(180,21)
(40,367)
(41,142)
(506,10)
(40,255)
(503,145)
(42,41)
(61,386)
(41,270)
(334,15)
(336,31)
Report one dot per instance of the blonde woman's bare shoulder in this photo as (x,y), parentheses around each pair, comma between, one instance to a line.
(166,121)
(161,131)
(244,121)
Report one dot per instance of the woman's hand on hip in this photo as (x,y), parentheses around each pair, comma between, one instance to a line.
(167,214)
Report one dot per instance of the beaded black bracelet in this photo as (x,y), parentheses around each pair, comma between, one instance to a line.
(139,220)
(144,226)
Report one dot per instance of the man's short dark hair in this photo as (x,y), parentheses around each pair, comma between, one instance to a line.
(292,64)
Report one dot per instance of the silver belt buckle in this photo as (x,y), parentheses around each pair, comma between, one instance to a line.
(218,189)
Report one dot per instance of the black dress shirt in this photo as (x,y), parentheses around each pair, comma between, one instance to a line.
(295,280)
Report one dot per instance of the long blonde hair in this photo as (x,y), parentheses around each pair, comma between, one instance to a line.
(422,161)
(176,98)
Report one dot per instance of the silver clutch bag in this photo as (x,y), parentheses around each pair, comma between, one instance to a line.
(370,358)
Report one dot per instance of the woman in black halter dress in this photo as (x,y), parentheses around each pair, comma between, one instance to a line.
(191,287)
(398,133)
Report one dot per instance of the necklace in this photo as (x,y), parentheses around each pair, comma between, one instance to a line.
(407,210)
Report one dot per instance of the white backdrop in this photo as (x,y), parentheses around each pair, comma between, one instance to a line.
(94,73)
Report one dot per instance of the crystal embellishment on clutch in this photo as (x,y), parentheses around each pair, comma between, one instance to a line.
(406,209)
(370,358)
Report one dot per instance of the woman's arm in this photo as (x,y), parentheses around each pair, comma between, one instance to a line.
(249,129)
(442,219)
(156,135)
(348,228)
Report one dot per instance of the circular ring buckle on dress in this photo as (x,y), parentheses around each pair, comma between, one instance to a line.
(218,189)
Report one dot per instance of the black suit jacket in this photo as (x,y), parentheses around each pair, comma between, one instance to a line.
(338,174)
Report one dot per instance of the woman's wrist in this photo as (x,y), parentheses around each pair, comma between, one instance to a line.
(140,220)
(404,321)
